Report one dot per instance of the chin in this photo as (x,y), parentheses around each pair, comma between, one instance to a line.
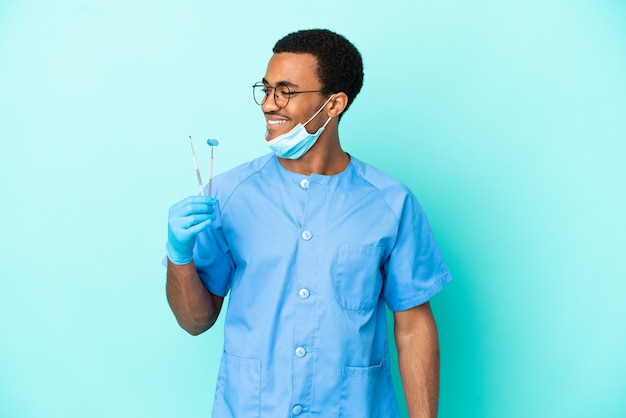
(271,135)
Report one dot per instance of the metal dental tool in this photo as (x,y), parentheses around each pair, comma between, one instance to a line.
(195,162)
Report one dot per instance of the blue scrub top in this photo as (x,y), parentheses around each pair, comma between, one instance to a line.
(310,262)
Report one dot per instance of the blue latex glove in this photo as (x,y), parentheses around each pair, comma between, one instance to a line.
(187,219)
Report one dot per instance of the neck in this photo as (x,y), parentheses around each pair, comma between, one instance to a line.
(325,157)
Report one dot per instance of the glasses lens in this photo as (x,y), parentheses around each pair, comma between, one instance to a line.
(260,93)
(281,94)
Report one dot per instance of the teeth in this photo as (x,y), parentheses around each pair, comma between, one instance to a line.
(276,122)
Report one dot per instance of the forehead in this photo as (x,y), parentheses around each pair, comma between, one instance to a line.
(298,70)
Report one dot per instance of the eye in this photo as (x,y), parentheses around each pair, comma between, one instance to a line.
(283,91)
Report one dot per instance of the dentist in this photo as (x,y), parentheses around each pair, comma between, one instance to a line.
(311,245)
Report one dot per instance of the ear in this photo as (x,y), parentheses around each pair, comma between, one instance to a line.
(338,104)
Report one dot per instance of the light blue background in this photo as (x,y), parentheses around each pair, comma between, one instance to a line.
(507,119)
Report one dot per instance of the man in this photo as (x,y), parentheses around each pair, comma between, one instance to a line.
(311,243)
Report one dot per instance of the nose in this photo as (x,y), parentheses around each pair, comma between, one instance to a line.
(269,105)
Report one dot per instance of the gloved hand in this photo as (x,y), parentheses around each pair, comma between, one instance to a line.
(187,219)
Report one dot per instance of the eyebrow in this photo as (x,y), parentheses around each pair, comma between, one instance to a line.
(280,83)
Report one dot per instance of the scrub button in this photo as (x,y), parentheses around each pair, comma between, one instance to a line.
(304,293)
(300,352)
(307,235)
(297,410)
(304,184)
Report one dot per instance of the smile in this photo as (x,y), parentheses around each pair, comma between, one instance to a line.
(275,122)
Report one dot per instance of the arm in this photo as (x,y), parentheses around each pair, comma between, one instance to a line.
(195,308)
(415,332)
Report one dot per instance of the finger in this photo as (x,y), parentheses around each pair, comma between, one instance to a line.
(192,220)
(195,208)
(197,199)
(191,209)
(185,222)
(196,229)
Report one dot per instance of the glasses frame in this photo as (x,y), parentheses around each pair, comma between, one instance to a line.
(289,93)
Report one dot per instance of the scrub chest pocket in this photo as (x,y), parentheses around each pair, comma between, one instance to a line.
(358,281)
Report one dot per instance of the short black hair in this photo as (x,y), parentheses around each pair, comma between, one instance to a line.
(339,63)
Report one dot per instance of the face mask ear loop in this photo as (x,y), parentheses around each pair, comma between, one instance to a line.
(319,110)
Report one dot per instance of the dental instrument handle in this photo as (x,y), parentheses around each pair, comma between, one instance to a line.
(195,163)
(211,174)
(212,143)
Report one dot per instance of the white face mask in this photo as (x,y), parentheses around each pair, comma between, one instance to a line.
(295,143)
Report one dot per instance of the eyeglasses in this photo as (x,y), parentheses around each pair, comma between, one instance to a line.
(282,93)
